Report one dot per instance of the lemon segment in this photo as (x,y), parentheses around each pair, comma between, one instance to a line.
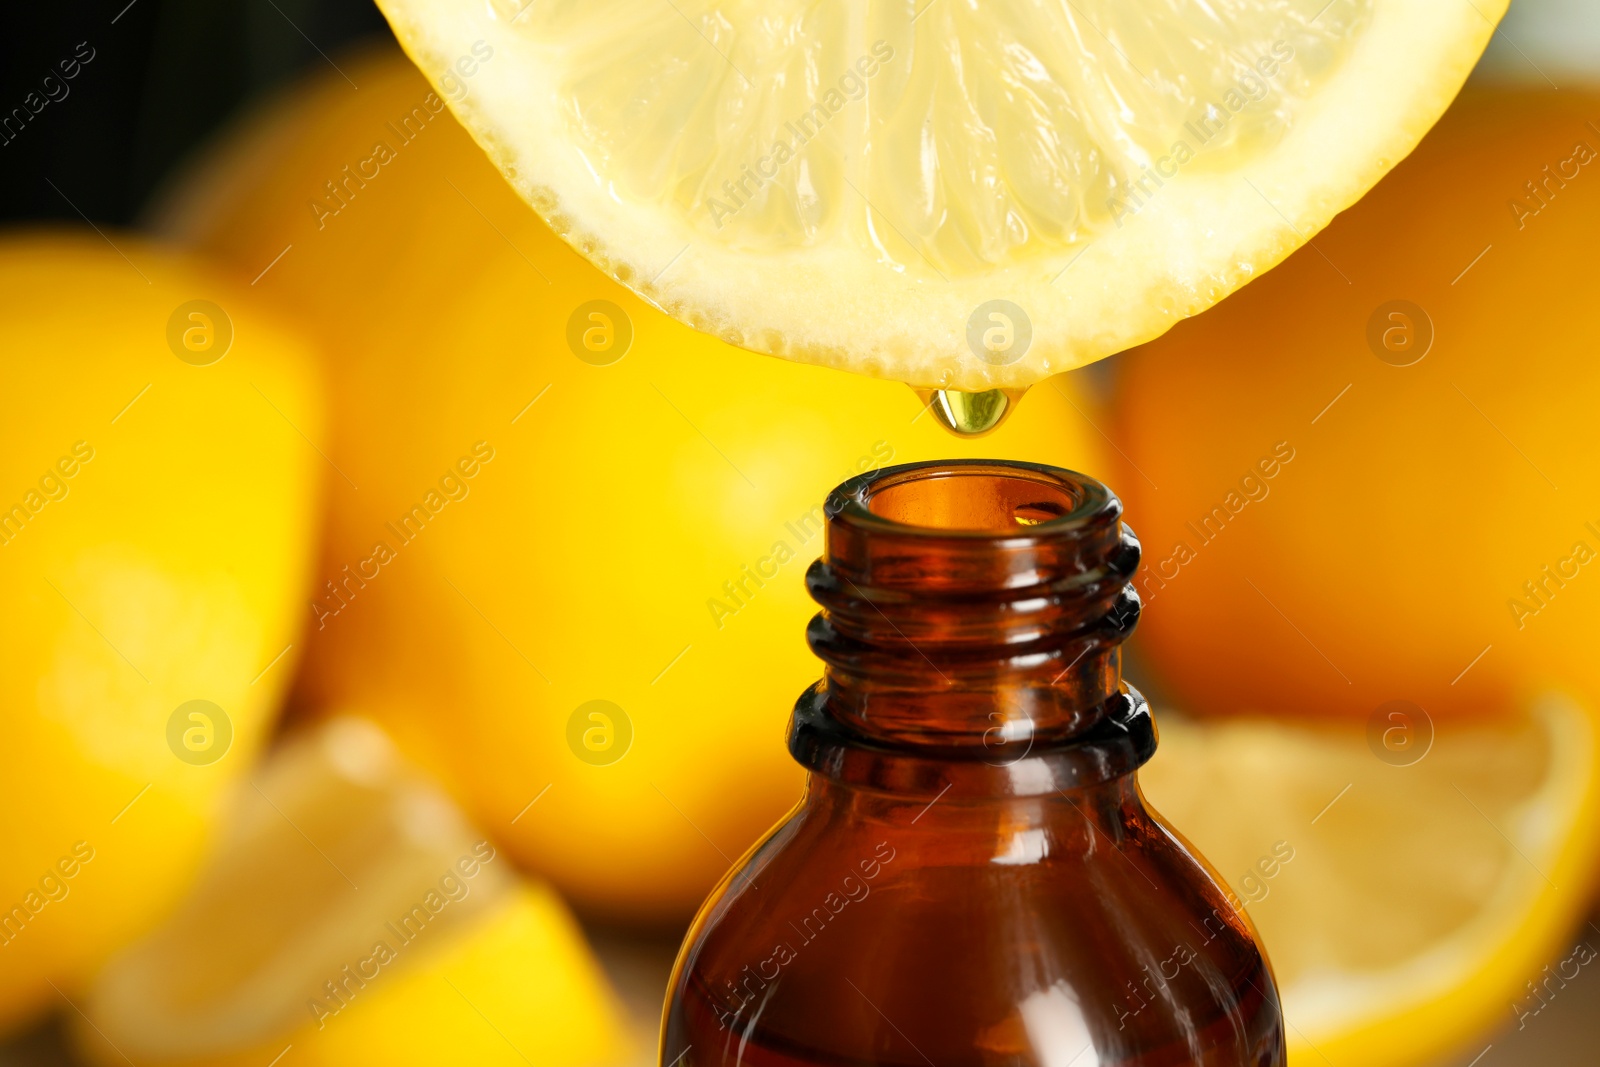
(351,915)
(521,983)
(848,183)
(1404,899)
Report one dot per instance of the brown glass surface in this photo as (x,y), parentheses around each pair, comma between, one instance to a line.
(972,877)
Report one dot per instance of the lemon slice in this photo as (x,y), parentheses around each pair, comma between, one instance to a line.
(349,916)
(950,194)
(1404,905)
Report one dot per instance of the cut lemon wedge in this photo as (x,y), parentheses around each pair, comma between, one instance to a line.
(351,916)
(950,194)
(1404,905)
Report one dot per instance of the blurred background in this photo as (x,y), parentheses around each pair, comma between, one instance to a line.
(476,632)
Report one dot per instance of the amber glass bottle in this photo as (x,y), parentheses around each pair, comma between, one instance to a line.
(972,877)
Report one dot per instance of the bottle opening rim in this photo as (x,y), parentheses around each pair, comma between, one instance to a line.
(973,498)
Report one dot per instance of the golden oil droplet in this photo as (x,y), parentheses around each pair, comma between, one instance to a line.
(971,414)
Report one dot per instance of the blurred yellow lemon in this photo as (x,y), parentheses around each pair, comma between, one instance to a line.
(1372,475)
(571,575)
(350,916)
(158,493)
(880,186)
(1408,887)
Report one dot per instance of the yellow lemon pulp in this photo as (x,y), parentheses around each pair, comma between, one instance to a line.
(350,915)
(1406,884)
(159,481)
(858,184)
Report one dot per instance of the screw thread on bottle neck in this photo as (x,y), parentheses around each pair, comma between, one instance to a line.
(970,603)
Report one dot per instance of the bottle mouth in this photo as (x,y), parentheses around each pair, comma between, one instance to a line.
(978,498)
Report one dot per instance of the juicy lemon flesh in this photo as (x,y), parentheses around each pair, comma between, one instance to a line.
(327,853)
(1409,891)
(982,136)
(858,185)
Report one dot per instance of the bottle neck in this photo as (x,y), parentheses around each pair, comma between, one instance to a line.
(973,604)
(970,632)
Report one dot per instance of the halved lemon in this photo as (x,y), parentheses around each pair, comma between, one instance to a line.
(950,194)
(1407,886)
(351,916)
